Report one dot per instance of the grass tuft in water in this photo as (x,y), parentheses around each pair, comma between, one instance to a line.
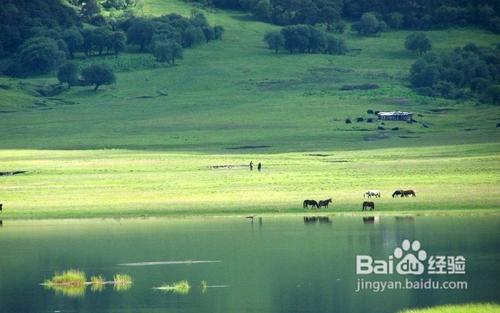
(70,283)
(204,286)
(68,278)
(122,282)
(181,287)
(97,283)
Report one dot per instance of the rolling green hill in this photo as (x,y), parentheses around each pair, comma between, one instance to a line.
(146,145)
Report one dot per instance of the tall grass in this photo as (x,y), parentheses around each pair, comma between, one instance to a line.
(71,283)
(122,282)
(68,278)
(97,283)
(181,287)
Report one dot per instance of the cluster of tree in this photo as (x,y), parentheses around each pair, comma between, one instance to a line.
(167,35)
(304,39)
(418,43)
(466,72)
(369,24)
(285,12)
(425,14)
(409,14)
(22,19)
(118,4)
(37,36)
(96,74)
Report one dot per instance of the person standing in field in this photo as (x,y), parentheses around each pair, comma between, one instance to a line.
(259,166)
(251,165)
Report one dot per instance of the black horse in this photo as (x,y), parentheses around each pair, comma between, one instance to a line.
(312,203)
(324,203)
(398,193)
(1,205)
(368,205)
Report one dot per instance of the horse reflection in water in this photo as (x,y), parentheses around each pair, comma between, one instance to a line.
(317,219)
(371,220)
(410,219)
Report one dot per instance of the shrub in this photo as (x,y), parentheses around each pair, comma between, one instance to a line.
(39,55)
(68,73)
(98,74)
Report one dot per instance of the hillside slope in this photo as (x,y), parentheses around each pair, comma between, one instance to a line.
(237,93)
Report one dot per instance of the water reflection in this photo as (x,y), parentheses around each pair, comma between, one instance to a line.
(408,218)
(291,265)
(68,290)
(317,219)
(368,220)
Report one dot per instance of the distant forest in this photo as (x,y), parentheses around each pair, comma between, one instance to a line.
(408,14)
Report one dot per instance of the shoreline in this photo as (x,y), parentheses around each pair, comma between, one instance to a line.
(245,214)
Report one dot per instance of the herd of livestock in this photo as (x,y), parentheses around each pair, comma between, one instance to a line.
(367,205)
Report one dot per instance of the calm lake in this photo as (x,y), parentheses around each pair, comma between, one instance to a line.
(267,266)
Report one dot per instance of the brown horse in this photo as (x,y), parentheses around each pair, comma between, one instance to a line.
(1,207)
(312,203)
(407,193)
(368,205)
(324,203)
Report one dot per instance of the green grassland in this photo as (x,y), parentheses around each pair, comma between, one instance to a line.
(145,146)
(464,308)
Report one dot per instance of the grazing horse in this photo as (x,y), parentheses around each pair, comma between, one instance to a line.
(398,193)
(408,193)
(324,203)
(1,205)
(372,193)
(368,205)
(311,203)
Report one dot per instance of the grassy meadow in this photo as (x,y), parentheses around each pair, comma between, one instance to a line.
(464,308)
(148,144)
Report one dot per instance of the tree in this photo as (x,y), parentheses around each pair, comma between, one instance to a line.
(87,46)
(68,73)
(275,40)
(192,36)
(329,13)
(418,42)
(117,42)
(39,55)
(140,33)
(167,52)
(73,39)
(369,25)
(395,20)
(101,39)
(209,33)
(98,74)
(317,40)
(335,45)
(423,73)
(296,37)
(262,9)
(218,31)
(90,8)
